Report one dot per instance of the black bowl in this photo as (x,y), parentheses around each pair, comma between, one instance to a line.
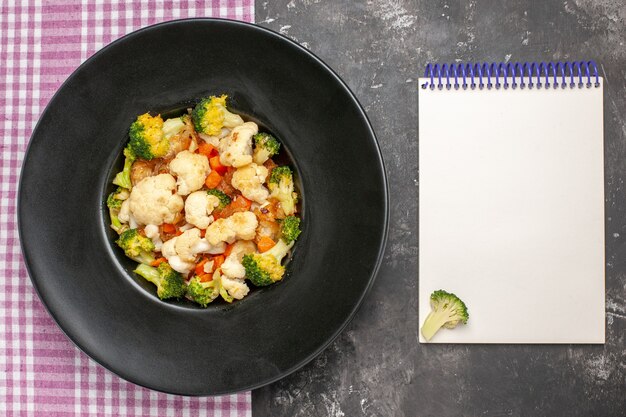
(87,285)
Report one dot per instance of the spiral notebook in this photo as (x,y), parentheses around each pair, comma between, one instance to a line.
(511,200)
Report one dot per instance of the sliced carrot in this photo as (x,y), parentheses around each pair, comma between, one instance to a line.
(169,228)
(217,214)
(207,149)
(228,250)
(218,261)
(216,165)
(265,213)
(205,277)
(158,261)
(200,266)
(238,204)
(265,243)
(213,179)
(241,202)
(225,187)
(270,165)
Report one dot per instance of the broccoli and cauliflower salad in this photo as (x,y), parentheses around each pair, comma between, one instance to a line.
(201,205)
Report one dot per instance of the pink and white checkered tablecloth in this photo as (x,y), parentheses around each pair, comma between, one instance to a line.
(41,372)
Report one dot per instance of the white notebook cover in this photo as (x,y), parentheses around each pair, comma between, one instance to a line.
(511,212)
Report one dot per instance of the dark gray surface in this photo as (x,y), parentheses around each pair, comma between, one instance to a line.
(376,367)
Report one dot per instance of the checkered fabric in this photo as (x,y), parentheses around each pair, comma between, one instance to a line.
(41,372)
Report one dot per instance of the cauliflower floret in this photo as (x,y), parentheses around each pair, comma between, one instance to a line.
(203,246)
(241,248)
(185,244)
(132,222)
(169,251)
(198,208)
(217,249)
(237,288)
(220,231)
(153,200)
(152,232)
(244,224)
(233,268)
(249,180)
(191,170)
(179,265)
(238,226)
(181,251)
(214,140)
(236,148)
(124,214)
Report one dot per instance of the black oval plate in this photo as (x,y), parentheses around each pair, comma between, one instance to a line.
(86,285)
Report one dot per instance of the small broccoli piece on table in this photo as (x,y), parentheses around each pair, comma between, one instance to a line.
(265,147)
(114,203)
(147,140)
(169,283)
(447,310)
(281,188)
(211,115)
(265,268)
(123,177)
(136,247)
(224,199)
(290,229)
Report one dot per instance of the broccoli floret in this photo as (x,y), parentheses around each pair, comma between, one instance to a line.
(202,293)
(265,268)
(225,295)
(281,188)
(114,203)
(224,199)
(210,116)
(116,224)
(173,126)
(447,310)
(123,177)
(169,283)
(114,206)
(281,173)
(147,140)
(290,229)
(266,146)
(136,247)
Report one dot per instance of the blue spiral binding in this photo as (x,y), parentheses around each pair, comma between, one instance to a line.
(574,74)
